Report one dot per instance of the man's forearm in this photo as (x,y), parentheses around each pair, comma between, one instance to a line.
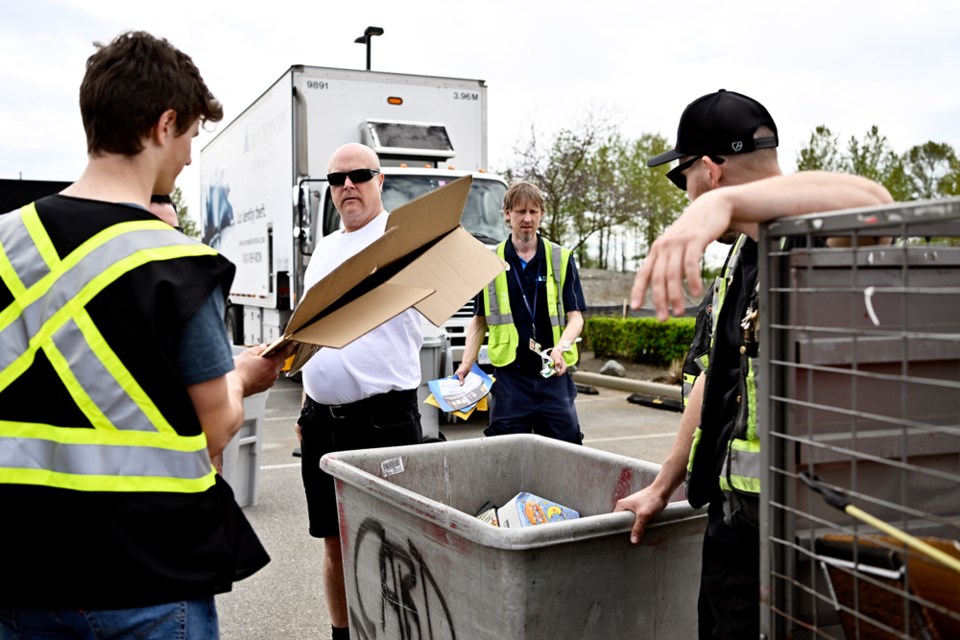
(572,330)
(219,407)
(674,468)
(795,194)
(476,332)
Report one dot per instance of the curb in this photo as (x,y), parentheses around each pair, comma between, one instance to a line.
(668,391)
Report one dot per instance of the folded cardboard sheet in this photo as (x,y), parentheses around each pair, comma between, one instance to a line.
(424,260)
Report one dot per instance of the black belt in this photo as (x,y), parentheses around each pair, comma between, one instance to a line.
(390,399)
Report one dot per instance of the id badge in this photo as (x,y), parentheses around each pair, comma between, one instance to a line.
(534,345)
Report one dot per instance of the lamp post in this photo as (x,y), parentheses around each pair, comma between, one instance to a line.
(367,36)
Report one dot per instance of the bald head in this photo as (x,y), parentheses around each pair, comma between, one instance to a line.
(353,152)
(357,198)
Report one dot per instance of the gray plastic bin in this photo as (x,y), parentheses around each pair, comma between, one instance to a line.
(418,564)
(241,456)
(434,364)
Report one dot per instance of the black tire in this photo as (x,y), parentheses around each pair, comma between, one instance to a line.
(233,322)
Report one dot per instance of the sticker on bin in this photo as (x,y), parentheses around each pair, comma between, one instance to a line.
(391,466)
(526,510)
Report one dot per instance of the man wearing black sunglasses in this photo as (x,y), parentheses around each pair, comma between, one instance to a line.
(161,205)
(726,148)
(363,395)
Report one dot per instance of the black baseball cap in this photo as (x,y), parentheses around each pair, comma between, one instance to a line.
(720,124)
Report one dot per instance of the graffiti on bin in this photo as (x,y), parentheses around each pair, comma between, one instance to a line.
(394,583)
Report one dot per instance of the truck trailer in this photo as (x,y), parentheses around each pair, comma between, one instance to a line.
(264,194)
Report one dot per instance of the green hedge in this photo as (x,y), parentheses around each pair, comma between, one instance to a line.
(643,340)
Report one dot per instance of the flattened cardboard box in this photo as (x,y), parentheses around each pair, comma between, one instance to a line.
(424,260)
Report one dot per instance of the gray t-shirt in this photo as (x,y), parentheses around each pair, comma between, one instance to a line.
(203,351)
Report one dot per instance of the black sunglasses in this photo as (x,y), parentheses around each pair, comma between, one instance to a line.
(160,198)
(676,176)
(356,176)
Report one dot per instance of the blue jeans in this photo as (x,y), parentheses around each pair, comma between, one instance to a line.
(185,620)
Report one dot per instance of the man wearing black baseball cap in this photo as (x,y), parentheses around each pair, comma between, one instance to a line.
(727,164)
(721,124)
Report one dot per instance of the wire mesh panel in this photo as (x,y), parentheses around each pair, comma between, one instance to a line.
(860,400)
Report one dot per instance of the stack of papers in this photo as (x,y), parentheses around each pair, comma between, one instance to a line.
(461,400)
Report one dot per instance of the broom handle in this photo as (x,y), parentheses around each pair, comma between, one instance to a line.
(906,538)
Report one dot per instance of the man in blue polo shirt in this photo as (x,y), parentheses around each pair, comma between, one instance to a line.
(534,313)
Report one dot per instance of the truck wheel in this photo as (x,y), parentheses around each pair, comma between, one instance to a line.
(233,321)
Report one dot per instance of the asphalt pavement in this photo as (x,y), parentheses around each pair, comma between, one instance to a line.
(285,599)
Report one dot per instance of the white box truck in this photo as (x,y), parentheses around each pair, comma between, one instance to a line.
(264,195)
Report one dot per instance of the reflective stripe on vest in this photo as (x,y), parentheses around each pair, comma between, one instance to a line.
(495,298)
(688,380)
(741,469)
(504,339)
(131,447)
(703,362)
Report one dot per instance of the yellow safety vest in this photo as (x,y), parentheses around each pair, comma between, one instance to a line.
(503,338)
(741,470)
(131,446)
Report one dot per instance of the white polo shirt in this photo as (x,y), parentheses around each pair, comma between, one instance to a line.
(386,359)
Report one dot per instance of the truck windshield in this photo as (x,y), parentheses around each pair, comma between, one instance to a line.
(482,214)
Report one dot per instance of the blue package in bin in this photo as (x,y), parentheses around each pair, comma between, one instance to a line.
(526,510)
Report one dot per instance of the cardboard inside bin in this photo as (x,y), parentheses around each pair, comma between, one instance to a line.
(424,260)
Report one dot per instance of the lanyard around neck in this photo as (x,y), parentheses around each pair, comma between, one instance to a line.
(526,303)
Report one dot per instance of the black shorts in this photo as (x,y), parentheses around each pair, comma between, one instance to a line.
(384,420)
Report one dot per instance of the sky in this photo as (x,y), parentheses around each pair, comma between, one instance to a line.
(548,65)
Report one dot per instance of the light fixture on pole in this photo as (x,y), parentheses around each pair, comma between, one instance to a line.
(368,34)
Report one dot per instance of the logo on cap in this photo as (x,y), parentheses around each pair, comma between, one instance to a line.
(737,146)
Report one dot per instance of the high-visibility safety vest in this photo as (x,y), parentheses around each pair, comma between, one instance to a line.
(132,446)
(110,499)
(503,339)
(698,357)
(740,470)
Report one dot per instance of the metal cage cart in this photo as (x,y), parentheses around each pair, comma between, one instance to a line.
(860,400)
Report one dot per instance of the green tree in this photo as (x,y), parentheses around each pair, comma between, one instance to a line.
(560,169)
(656,202)
(189,225)
(874,158)
(821,152)
(925,171)
(596,185)
(950,183)
(609,204)
(932,171)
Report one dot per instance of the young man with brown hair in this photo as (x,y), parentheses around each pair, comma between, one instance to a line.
(117,383)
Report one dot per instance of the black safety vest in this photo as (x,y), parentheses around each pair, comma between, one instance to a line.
(104,472)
